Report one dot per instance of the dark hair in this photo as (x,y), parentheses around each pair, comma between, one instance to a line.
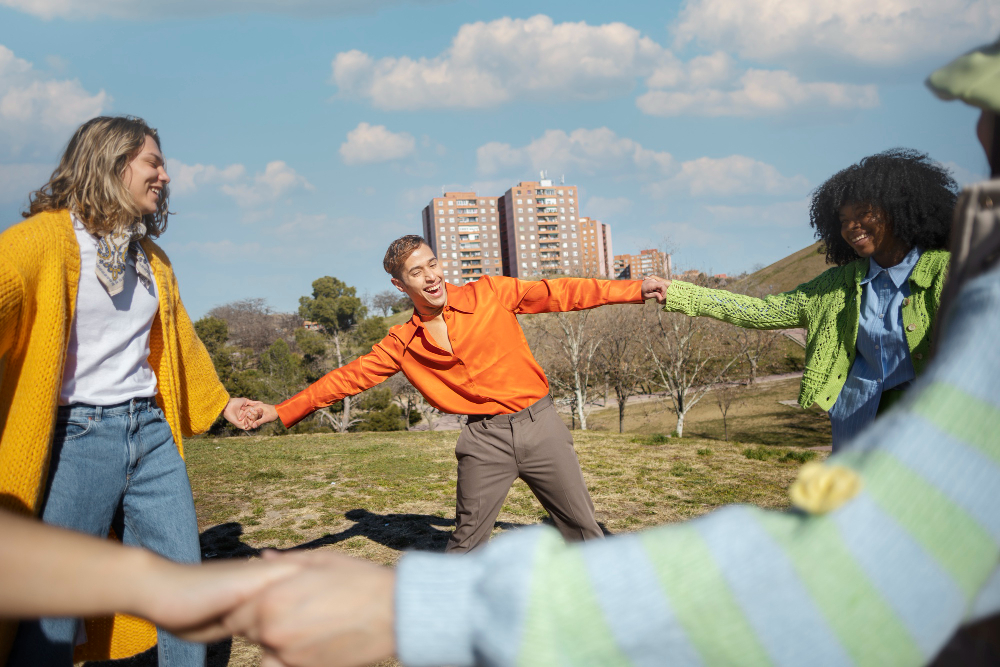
(399,251)
(916,194)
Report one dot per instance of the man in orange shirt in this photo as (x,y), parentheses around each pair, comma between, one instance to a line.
(465,351)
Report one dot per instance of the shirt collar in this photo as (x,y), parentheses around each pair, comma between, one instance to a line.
(898,274)
(461,298)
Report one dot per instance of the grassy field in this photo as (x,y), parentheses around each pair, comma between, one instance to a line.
(374,495)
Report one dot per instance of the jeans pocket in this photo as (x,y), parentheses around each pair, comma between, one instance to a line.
(72,429)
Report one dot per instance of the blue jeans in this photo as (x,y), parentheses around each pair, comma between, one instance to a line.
(115,466)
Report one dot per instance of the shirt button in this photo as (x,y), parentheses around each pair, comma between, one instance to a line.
(918,356)
(881,315)
(876,347)
(906,301)
(879,380)
(911,327)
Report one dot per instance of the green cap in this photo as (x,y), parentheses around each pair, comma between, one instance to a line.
(973,78)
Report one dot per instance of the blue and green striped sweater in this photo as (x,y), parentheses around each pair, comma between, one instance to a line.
(885,579)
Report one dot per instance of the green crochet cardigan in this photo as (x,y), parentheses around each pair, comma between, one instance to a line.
(828,307)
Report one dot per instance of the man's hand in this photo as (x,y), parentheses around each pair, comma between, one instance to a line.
(336,611)
(654,287)
(256,413)
(240,413)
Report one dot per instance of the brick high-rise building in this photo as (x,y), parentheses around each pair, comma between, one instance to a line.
(650,262)
(540,230)
(597,257)
(463,229)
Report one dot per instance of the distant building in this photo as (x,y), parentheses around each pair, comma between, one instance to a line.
(540,230)
(650,262)
(462,228)
(309,325)
(596,256)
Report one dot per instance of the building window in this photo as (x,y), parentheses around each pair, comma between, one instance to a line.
(524,264)
(451,219)
(572,217)
(534,265)
(530,219)
(451,210)
(442,229)
(523,255)
(518,201)
(520,219)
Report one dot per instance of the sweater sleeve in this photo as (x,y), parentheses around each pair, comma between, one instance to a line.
(885,578)
(780,311)
(11,300)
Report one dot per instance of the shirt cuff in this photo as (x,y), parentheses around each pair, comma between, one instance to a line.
(295,409)
(434,609)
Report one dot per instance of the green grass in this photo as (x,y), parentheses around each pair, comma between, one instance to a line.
(374,495)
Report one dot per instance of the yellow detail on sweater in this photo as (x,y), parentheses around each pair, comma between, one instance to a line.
(39,277)
(820,488)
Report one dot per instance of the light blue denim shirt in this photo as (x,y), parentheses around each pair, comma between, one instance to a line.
(883,359)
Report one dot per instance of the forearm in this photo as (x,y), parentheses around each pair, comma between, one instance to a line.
(569,294)
(779,311)
(348,380)
(47,571)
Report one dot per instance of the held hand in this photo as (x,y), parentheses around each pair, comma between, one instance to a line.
(239,412)
(336,611)
(192,600)
(258,414)
(654,287)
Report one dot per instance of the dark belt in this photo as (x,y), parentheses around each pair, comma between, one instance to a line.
(529,412)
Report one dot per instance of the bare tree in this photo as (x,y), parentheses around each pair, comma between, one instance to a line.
(619,355)
(253,324)
(573,341)
(384,302)
(688,355)
(725,396)
(409,398)
(756,343)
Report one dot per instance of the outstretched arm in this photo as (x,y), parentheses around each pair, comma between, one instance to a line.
(564,294)
(49,571)
(363,373)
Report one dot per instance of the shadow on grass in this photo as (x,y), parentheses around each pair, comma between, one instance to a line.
(412,532)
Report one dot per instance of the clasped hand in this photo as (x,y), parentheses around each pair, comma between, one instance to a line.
(247,414)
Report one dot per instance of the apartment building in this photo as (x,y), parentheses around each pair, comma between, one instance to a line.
(597,259)
(463,229)
(648,262)
(540,230)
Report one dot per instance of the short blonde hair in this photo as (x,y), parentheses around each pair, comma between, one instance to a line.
(399,251)
(89,178)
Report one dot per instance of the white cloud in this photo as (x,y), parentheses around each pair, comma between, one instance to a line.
(276,181)
(186,178)
(728,176)
(491,63)
(873,32)
(140,9)
(38,114)
(368,144)
(582,151)
(758,92)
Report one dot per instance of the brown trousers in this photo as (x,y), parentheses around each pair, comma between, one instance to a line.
(532,444)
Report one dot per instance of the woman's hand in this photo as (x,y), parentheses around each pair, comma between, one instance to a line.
(654,287)
(256,413)
(238,410)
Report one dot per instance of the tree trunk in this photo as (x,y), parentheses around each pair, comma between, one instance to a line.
(580,415)
(621,414)
(345,418)
(680,424)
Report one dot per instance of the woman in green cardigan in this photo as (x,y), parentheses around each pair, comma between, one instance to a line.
(885,223)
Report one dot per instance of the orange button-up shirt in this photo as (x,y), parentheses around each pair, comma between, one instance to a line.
(490,372)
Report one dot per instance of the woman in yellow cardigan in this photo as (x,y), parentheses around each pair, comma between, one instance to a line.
(102,375)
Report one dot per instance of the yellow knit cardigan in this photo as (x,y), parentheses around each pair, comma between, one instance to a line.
(39,278)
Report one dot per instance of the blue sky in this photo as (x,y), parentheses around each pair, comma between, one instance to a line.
(304,135)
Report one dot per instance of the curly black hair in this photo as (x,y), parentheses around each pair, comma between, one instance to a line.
(916,194)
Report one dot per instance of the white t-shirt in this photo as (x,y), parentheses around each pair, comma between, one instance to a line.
(107,359)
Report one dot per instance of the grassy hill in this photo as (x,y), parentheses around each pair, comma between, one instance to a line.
(791,271)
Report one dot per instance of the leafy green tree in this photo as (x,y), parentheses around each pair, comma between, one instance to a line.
(213,332)
(335,306)
(381,414)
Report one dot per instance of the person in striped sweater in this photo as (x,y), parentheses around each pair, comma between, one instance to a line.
(892,546)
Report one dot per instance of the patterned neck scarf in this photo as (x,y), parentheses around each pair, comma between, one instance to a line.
(112,258)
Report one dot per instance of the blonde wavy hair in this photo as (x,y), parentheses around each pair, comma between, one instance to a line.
(90,178)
